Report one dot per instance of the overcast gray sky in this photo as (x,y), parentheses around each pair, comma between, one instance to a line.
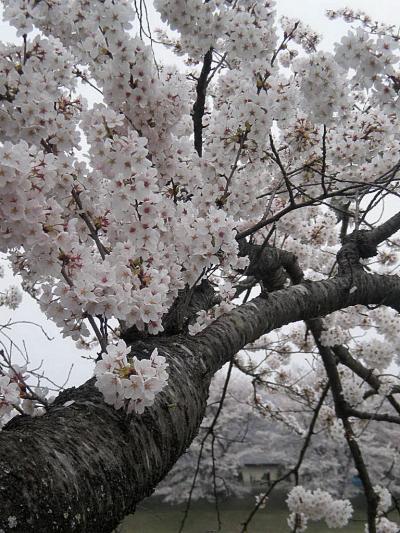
(59,354)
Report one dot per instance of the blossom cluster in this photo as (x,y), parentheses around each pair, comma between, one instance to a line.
(333,336)
(9,395)
(17,393)
(353,387)
(328,420)
(376,353)
(132,383)
(385,498)
(302,34)
(323,87)
(56,206)
(373,62)
(383,525)
(243,31)
(11,297)
(318,505)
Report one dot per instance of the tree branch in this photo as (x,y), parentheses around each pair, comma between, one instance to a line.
(248,322)
(342,412)
(83,465)
(199,105)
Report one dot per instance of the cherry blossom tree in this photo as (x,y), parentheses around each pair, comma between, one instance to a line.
(186,215)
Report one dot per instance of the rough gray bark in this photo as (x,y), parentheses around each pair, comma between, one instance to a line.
(82,467)
(248,322)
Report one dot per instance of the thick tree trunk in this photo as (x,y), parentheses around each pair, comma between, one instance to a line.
(83,466)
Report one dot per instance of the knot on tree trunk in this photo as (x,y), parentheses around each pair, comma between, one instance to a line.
(270,266)
(358,245)
(364,242)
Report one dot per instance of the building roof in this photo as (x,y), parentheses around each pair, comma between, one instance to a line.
(252,459)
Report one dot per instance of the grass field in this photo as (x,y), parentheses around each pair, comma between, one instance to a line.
(160,518)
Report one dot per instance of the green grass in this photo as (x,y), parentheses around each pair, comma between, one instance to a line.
(160,518)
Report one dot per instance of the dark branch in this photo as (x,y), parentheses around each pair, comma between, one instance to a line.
(199,105)
(342,413)
(190,301)
(248,322)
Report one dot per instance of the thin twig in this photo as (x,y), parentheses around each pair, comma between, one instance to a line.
(209,432)
(323,169)
(92,230)
(243,138)
(295,470)
(283,171)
